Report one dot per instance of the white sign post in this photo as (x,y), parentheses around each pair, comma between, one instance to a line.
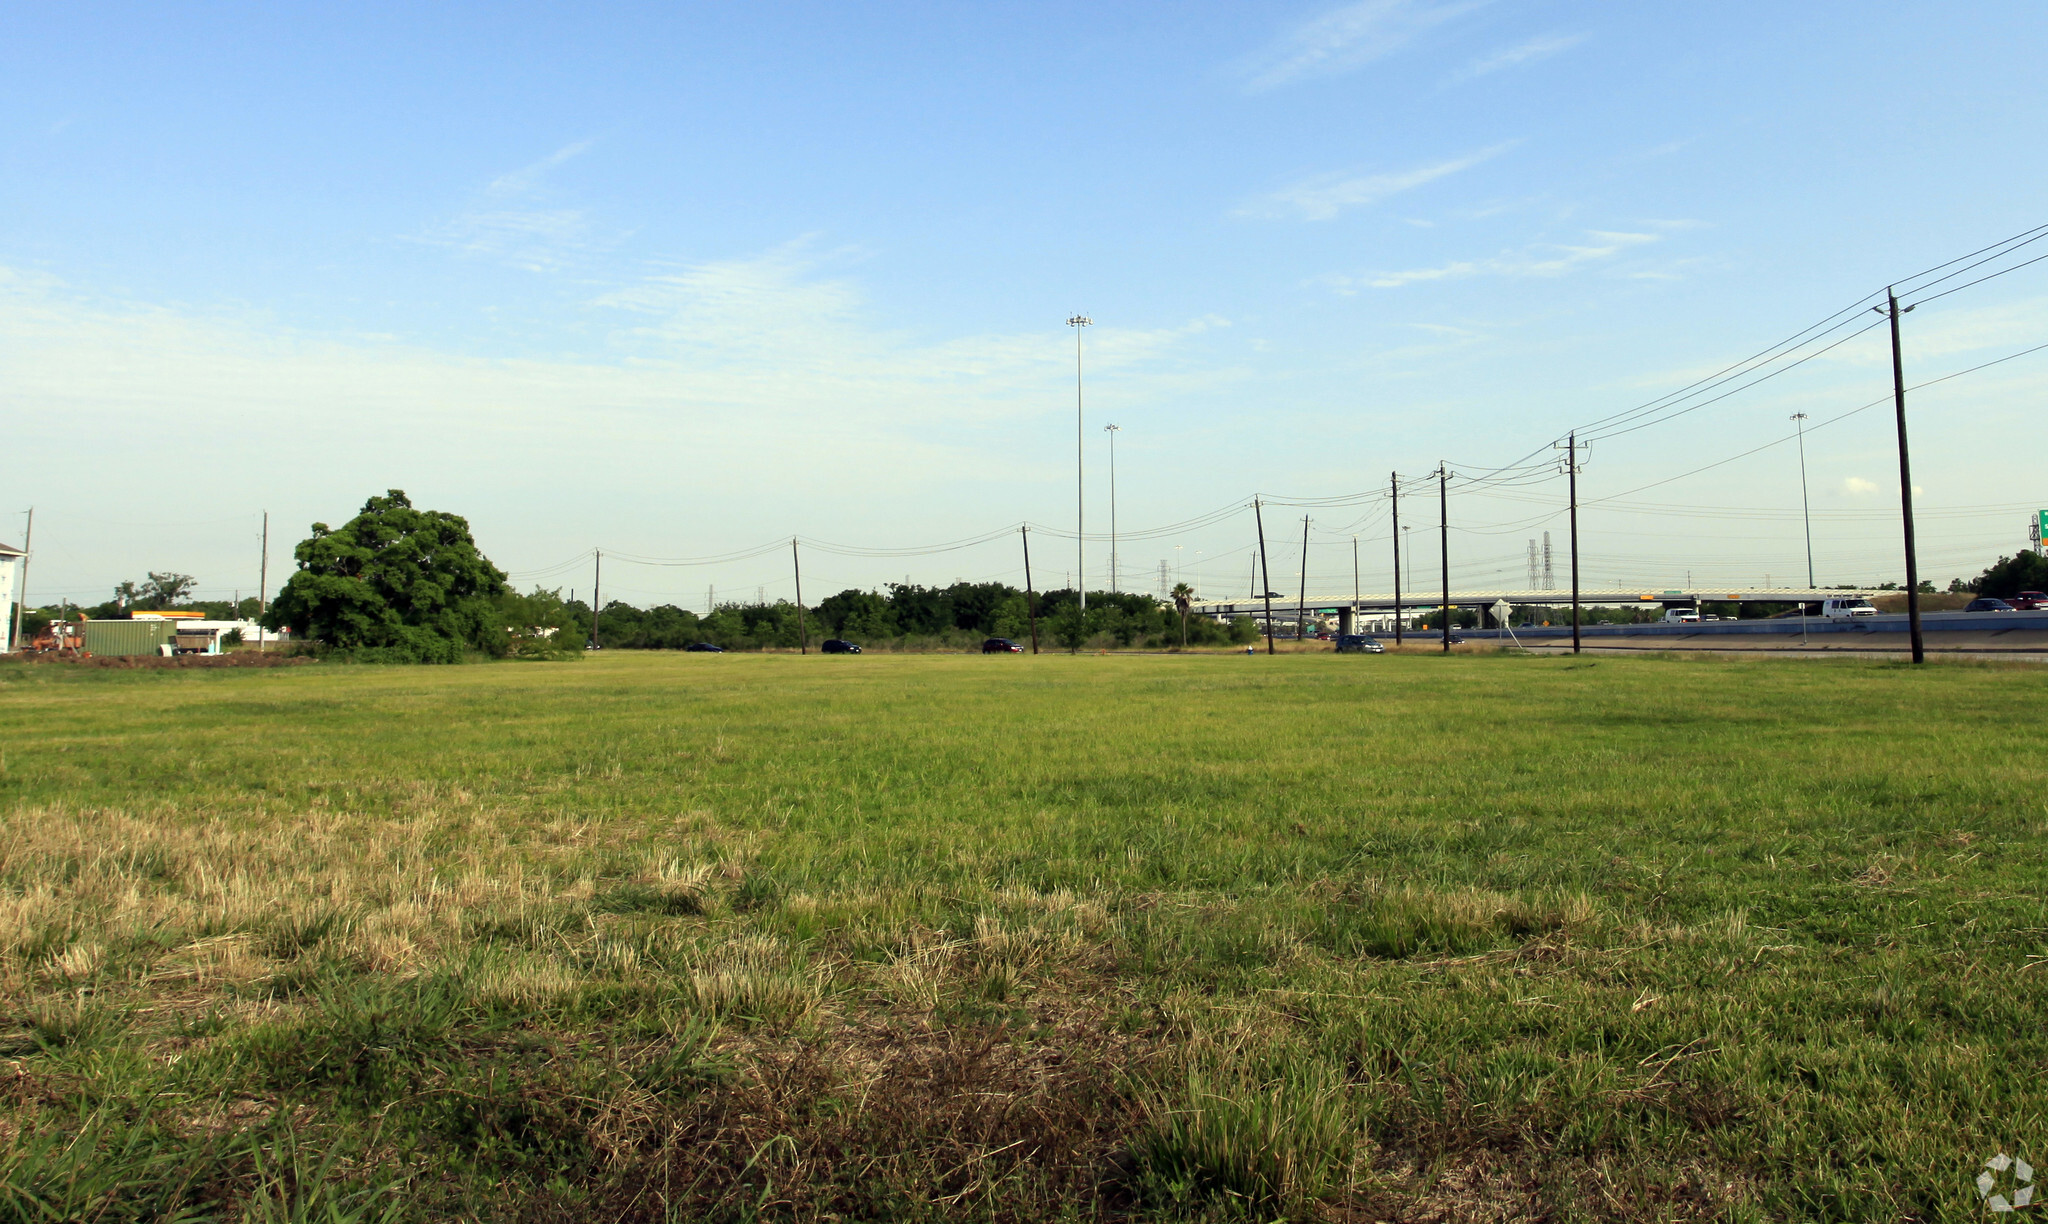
(1504,613)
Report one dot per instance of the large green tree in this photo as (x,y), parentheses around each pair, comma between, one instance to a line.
(2008,576)
(394,583)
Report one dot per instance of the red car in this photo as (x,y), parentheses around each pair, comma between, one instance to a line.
(2030,601)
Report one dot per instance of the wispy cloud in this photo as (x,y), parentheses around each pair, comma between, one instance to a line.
(1526,53)
(1856,486)
(1324,196)
(1540,259)
(1348,38)
(509,224)
(526,178)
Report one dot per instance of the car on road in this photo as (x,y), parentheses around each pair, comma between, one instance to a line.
(1358,643)
(839,646)
(2030,601)
(704,648)
(1988,605)
(1849,606)
(1001,646)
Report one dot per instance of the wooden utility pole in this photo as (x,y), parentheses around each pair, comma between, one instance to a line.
(1030,597)
(803,635)
(1571,467)
(1891,306)
(596,597)
(263,583)
(1394,491)
(1301,607)
(1266,572)
(28,539)
(1443,522)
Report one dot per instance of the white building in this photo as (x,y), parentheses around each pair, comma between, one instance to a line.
(12,562)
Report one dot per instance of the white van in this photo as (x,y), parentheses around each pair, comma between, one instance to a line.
(1682,616)
(1847,605)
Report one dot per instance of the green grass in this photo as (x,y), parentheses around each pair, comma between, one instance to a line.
(734,938)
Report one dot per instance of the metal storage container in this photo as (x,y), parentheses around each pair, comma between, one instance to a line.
(128,637)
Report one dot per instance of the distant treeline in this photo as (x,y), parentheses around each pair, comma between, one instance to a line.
(911,617)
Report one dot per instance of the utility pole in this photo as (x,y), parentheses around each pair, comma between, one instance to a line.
(1265,570)
(803,635)
(1805,507)
(1114,566)
(1891,306)
(1354,584)
(1078,322)
(596,597)
(1394,490)
(1443,524)
(263,582)
(1571,467)
(1301,606)
(28,538)
(1030,598)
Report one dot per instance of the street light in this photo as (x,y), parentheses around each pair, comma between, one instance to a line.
(1078,322)
(1799,422)
(1112,431)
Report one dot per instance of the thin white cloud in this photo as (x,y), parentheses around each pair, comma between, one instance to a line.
(1348,38)
(1856,486)
(1526,53)
(510,226)
(526,178)
(1542,259)
(536,240)
(1326,195)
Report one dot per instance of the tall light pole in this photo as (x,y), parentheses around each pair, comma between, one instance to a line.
(1408,535)
(1078,322)
(1112,431)
(1805,507)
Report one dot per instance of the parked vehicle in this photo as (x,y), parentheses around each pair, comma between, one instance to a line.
(1989,605)
(1001,646)
(1848,605)
(839,646)
(705,647)
(1358,643)
(2030,601)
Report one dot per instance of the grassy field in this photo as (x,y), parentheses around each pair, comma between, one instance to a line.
(731,938)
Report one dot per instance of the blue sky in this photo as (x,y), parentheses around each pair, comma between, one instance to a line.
(674,281)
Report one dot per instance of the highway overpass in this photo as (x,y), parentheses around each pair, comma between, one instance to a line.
(1347,607)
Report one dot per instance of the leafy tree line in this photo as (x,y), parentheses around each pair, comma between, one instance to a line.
(908,616)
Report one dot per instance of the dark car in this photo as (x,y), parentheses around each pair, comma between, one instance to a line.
(839,646)
(1001,646)
(1988,605)
(1358,643)
(705,646)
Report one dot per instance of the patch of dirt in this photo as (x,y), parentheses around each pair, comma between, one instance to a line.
(239,658)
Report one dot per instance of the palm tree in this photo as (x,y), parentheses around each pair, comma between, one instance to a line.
(1183,599)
